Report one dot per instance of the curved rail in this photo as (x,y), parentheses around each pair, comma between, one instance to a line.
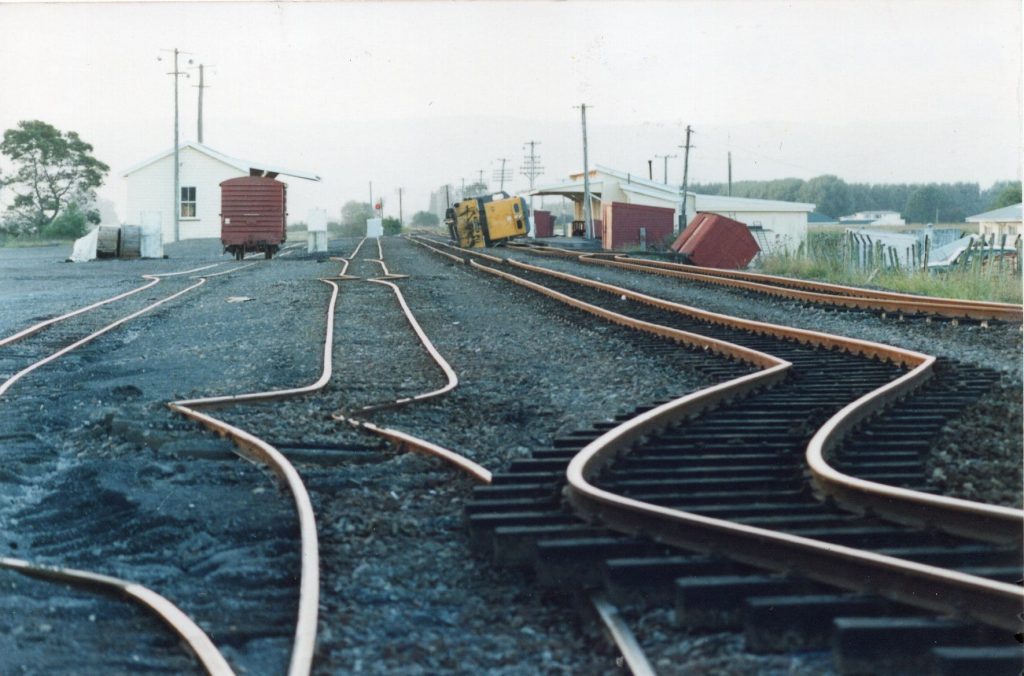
(196,639)
(919,585)
(963,517)
(941,307)
(826,287)
(93,336)
(255,449)
(929,587)
(153,280)
(449,372)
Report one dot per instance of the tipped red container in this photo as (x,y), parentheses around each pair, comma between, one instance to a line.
(715,241)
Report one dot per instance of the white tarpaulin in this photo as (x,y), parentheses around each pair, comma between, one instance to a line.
(85,247)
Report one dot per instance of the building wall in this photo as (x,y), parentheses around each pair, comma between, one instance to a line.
(999,228)
(150,190)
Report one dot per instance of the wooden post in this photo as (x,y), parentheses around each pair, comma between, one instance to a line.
(1002,252)
(924,264)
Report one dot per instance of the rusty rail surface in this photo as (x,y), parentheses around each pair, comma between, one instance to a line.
(93,336)
(825,287)
(939,307)
(194,637)
(963,517)
(153,280)
(621,636)
(256,450)
(929,587)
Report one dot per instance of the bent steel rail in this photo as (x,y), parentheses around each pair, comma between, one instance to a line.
(255,449)
(962,517)
(827,287)
(189,632)
(941,307)
(928,587)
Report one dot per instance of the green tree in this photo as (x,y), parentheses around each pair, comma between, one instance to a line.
(425,219)
(926,204)
(392,226)
(354,214)
(1009,196)
(52,169)
(829,194)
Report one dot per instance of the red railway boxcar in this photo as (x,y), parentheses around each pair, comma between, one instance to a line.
(253,212)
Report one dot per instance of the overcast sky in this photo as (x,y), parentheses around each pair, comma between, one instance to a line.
(426,93)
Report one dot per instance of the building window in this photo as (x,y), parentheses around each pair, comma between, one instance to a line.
(188,202)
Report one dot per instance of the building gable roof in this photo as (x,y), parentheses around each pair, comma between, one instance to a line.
(641,186)
(1010,213)
(242,165)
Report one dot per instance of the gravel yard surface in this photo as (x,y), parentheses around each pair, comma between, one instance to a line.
(98,474)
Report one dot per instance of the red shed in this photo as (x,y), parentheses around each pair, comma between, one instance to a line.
(717,242)
(623,223)
(253,211)
(543,224)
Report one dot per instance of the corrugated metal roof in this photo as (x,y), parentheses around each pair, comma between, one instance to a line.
(242,165)
(671,193)
(1010,213)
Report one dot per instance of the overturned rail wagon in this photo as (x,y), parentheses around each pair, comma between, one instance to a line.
(253,213)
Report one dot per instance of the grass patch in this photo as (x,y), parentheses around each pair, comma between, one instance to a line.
(26,241)
(823,260)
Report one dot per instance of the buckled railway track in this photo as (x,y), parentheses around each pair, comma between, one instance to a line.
(49,340)
(728,480)
(901,305)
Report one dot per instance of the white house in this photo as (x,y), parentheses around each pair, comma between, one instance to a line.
(873,218)
(998,222)
(201,170)
(775,224)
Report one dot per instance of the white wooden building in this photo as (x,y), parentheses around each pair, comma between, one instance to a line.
(998,222)
(202,169)
(775,224)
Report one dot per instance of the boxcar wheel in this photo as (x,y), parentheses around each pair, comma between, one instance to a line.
(268,254)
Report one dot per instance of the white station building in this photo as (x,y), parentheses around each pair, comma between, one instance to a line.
(776,225)
(202,169)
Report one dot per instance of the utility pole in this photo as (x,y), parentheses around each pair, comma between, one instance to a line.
(531,168)
(399,207)
(686,176)
(588,218)
(650,170)
(730,173)
(666,158)
(177,168)
(201,86)
(372,209)
(500,174)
